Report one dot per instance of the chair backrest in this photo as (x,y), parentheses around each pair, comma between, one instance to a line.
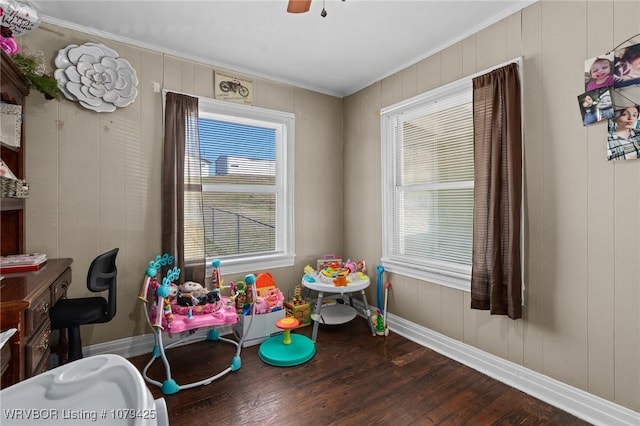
(102,276)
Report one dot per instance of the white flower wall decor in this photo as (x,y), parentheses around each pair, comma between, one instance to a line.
(96,76)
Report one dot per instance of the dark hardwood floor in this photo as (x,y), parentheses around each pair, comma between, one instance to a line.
(354,379)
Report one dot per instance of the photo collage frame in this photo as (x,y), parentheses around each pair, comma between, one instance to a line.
(610,84)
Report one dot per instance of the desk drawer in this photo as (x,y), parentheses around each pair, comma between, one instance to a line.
(60,286)
(38,313)
(37,349)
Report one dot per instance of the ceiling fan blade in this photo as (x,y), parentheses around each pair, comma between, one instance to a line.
(298,6)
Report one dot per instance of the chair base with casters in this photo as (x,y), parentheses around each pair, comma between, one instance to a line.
(70,314)
(165,317)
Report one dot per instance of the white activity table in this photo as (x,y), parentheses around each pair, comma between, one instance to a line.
(337,313)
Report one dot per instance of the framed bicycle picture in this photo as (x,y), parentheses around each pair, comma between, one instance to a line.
(233,88)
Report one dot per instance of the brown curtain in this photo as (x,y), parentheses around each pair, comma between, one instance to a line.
(182,185)
(496,270)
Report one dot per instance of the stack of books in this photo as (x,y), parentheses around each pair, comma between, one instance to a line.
(21,262)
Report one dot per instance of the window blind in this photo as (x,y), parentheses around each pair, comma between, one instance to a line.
(432,190)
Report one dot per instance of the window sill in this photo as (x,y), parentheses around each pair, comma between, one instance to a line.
(459,280)
(253,264)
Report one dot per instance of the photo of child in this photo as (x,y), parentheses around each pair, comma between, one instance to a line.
(595,105)
(623,142)
(627,66)
(598,72)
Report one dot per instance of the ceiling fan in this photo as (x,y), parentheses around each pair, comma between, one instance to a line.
(302,6)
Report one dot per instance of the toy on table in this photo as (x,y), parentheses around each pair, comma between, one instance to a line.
(327,259)
(334,269)
(339,274)
(340,281)
(309,272)
(351,266)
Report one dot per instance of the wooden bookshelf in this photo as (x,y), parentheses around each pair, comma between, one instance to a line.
(14,90)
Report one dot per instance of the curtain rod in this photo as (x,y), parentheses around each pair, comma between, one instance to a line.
(440,90)
(517,60)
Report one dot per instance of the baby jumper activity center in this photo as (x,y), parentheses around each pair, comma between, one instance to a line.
(184,309)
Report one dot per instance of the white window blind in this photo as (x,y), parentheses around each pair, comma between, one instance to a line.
(428,185)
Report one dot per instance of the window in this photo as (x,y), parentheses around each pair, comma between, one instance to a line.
(428,185)
(246,164)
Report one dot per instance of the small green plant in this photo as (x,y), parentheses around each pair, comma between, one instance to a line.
(34,70)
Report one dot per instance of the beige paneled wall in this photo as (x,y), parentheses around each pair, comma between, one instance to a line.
(581,320)
(95,177)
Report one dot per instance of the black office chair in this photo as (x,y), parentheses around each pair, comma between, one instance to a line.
(72,313)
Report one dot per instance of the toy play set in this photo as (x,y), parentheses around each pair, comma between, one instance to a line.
(255,309)
(336,283)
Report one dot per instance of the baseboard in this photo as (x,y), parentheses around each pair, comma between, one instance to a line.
(139,345)
(588,407)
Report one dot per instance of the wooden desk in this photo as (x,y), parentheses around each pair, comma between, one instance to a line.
(25,299)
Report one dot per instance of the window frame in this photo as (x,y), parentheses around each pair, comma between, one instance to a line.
(284,254)
(456,276)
